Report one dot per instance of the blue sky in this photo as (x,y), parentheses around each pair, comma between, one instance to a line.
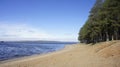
(43,19)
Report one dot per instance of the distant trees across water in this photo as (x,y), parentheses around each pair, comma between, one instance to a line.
(103,23)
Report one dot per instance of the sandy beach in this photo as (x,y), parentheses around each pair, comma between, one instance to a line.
(106,54)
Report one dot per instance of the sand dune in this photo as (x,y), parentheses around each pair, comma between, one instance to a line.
(106,54)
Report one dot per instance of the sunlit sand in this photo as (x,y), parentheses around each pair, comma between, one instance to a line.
(106,54)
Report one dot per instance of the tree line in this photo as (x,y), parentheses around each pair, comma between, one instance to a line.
(103,23)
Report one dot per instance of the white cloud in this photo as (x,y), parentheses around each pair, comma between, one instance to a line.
(21,32)
(25,32)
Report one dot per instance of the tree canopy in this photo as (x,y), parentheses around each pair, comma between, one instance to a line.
(103,23)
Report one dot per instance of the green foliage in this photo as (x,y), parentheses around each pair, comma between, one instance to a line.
(103,23)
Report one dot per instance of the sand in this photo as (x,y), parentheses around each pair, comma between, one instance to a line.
(106,54)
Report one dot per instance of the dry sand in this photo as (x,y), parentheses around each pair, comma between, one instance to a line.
(106,54)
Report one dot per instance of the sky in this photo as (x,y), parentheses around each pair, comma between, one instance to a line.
(58,20)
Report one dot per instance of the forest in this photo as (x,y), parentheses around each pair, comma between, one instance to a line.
(103,23)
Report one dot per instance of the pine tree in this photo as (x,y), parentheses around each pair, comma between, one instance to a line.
(103,23)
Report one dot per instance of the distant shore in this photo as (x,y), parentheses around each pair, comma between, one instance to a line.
(106,54)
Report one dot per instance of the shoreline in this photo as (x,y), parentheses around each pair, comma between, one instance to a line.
(32,57)
(105,54)
(26,57)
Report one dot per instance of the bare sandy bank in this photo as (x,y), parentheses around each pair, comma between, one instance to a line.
(106,54)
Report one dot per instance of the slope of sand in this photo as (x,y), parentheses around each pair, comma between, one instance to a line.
(106,54)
